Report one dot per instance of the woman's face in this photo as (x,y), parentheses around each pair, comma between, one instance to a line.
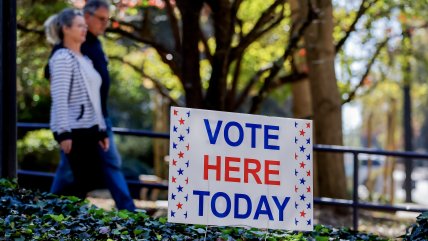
(77,31)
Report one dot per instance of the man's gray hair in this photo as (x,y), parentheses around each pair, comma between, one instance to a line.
(93,5)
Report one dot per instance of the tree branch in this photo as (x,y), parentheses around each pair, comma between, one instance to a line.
(278,64)
(174,24)
(244,94)
(230,98)
(128,24)
(29,30)
(234,11)
(235,7)
(206,47)
(365,5)
(138,38)
(159,86)
(216,93)
(162,51)
(367,72)
(287,79)
(259,28)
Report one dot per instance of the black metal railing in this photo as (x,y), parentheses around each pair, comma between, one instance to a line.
(355,203)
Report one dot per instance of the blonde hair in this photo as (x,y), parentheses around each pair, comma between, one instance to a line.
(51,29)
(54,24)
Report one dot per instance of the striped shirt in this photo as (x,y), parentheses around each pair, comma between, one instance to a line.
(74,104)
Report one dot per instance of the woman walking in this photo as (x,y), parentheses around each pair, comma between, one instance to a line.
(76,116)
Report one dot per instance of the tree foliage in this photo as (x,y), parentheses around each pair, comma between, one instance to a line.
(224,55)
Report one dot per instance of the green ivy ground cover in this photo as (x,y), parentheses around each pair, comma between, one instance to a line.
(31,215)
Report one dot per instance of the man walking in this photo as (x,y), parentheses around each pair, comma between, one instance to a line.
(96,14)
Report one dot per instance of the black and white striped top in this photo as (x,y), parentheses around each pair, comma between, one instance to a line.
(74,104)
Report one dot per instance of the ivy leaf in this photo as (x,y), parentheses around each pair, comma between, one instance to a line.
(57,218)
(163,220)
(321,238)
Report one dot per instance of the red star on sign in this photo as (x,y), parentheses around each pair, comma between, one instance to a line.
(302,132)
(308,125)
(308,173)
(302,213)
(187,180)
(174,179)
(188,147)
(174,162)
(175,112)
(180,154)
(308,189)
(295,156)
(302,165)
(295,188)
(181,121)
(179,205)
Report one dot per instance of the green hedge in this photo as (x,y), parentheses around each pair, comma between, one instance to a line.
(31,215)
(419,230)
(38,150)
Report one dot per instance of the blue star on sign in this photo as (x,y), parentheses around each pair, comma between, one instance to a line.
(187,163)
(302,197)
(302,181)
(181,137)
(295,124)
(185,215)
(188,130)
(296,205)
(180,171)
(308,206)
(175,129)
(296,221)
(173,196)
(174,145)
(308,157)
(296,172)
(302,149)
(180,188)
(295,140)
(187,197)
(188,114)
(308,141)
(172,214)
(308,222)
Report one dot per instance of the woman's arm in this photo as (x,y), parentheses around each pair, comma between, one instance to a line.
(61,66)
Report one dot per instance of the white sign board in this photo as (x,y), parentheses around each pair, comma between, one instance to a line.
(231,169)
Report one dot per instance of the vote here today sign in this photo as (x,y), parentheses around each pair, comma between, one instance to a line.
(231,169)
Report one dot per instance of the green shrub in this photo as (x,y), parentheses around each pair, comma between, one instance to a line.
(38,151)
(31,215)
(419,230)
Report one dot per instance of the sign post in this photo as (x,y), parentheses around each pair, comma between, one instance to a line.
(230,169)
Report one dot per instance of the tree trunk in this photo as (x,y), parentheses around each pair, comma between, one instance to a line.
(190,11)
(388,179)
(301,90)
(160,146)
(326,101)
(371,176)
(223,25)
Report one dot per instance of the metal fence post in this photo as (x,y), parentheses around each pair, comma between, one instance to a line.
(8,89)
(355,200)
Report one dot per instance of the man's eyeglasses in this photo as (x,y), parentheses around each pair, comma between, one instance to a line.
(102,19)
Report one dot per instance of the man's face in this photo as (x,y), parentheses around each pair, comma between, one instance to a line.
(98,21)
